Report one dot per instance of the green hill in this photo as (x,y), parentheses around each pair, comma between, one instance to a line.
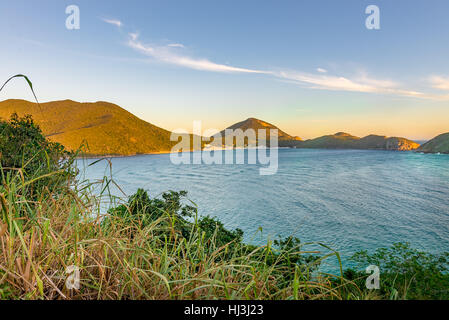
(111,130)
(386,143)
(438,144)
(343,140)
(285,140)
(339,140)
(107,128)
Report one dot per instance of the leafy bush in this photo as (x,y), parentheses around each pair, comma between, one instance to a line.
(405,272)
(142,210)
(212,227)
(283,255)
(26,153)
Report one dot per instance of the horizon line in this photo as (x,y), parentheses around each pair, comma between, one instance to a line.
(218,130)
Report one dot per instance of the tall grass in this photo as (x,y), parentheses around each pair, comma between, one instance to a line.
(40,239)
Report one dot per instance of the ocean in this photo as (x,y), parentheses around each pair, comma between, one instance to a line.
(348,199)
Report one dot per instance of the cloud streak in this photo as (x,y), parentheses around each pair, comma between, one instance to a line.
(335,83)
(165,54)
(133,36)
(322,80)
(114,22)
(176,45)
(439,82)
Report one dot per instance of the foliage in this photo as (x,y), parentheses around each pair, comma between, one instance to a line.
(142,211)
(26,152)
(405,272)
(214,228)
(293,257)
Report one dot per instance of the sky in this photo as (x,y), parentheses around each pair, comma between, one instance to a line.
(310,67)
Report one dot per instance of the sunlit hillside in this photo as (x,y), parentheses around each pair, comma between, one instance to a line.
(107,128)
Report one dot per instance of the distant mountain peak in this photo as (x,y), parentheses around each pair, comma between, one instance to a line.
(256,124)
(343,134)
(374,136)
(255,121)
(343,140)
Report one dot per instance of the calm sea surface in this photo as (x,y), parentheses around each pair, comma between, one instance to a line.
(348,199)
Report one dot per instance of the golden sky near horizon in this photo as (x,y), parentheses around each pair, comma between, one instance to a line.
(411,123)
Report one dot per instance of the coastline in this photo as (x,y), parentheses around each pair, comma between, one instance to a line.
(88,156)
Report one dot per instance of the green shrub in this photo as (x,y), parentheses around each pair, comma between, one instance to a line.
(405,272)
(283,256)
(25,153)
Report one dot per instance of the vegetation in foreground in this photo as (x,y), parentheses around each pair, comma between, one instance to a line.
(158,248)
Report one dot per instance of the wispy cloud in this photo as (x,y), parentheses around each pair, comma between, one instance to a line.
(176,45)
(173,54)
(114,22)
(439,82)
(165,54)
(133,35)
(321,81)
(335,83)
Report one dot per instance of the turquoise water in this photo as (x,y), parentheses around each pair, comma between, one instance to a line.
(348,199)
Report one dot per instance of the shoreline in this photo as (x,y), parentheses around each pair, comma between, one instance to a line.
(162,152)
(121,156)
(225,149)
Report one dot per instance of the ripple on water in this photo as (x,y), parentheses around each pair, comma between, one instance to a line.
(352,199)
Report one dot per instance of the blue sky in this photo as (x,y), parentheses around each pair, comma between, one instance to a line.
(310,67)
